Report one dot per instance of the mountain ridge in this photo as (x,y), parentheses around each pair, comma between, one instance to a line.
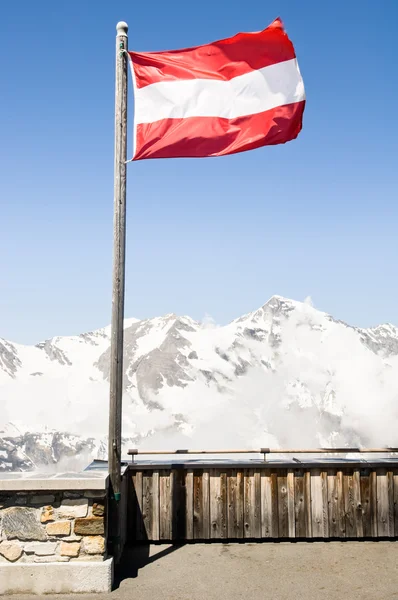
(128,321)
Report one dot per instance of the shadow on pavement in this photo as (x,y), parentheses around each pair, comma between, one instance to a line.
(137,557)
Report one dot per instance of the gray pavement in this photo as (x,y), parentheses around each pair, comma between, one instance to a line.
(272,571)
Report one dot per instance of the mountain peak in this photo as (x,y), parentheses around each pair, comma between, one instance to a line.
(276,304)
(282,300)
(277,300)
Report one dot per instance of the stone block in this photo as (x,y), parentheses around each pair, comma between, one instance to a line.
(59,528)
(73,508)
(42,499)
(72,538)
(10,550)
(71,549)
(90,526)
(89,577)
(51,559)
(96,494)
(88,558)
(22,523)
(47,514)
(94,544)
(98,509)
(41,549)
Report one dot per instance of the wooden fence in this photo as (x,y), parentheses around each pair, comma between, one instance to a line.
(242,501)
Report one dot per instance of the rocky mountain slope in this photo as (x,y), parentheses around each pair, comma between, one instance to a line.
(284,374)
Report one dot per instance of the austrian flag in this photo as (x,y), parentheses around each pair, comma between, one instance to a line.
(230,96)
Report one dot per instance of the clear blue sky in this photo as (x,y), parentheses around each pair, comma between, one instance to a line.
(317,216)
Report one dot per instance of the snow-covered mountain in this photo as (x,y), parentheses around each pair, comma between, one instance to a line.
(285,374)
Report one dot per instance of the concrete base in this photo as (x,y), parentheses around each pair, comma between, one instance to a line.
(57,578)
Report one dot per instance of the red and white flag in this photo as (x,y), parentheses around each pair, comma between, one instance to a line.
(233,95)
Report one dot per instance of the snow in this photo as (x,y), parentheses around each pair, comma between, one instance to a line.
(158,329)
(129,322)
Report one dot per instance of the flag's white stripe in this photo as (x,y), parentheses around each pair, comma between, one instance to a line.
(135,122)
(246,94)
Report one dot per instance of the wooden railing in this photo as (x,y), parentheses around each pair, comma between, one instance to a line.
(264,500)
(263,451)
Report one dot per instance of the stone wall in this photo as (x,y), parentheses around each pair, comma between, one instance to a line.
(52,526)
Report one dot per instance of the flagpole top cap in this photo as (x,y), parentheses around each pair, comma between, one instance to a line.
(122,28)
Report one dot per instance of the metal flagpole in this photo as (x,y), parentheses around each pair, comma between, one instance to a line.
(119,245)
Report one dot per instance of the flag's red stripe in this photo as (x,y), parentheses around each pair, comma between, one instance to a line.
(223,60)
(214,136)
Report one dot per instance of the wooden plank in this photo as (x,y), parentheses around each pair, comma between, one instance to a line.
(240,503)
(218,504)
(373,503)
(179,504)
(235,499)
(201,507)
(366,503)
(155,535)
(147,503)
(206,505)
(341,504)
(257,504)
(139,524)
(269,504)
(275,502)
(299,505)
(395,484)
(247,474)
(307,504)
(290,504)
(333,512)
(165,505)
(383,528)
(390,484)
(349,507)
(131,509)
(252,503)
(266,504)
(189,534)
(317,503)
(198,532)
(223,506)
(283,511)
(134,509)
(324,479)
(357,503)
(231,502)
